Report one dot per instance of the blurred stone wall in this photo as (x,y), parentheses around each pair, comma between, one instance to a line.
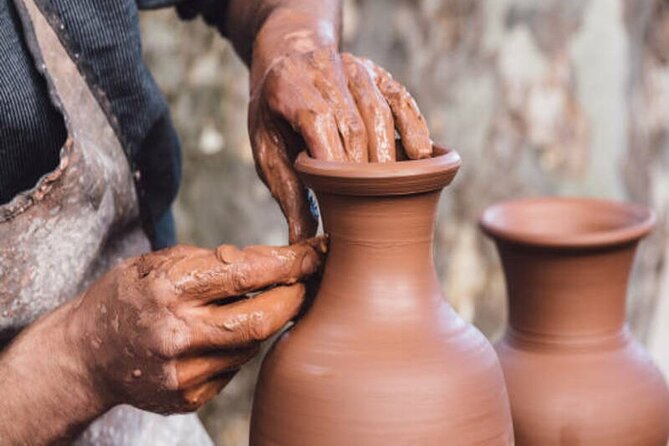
(566,97)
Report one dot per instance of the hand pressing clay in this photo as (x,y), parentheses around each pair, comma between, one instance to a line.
(164,332)
(306,95)
(380,358)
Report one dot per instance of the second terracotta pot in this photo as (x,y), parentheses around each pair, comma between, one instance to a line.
(574,373)
(380,359)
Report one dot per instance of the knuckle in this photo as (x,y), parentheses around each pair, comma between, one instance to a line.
(274,97)
(249,327)
(321,116)
(259,327)
(320,108)
(240,279)
(158,293)
(314,115)
(277,86)
(304,117)
(146,264)
(356,127)
(171,380)
(230,254)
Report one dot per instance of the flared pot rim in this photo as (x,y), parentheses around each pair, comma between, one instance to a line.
(567,222)
(380,179)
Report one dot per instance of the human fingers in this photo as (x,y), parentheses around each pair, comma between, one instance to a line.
(275,169)
(198,395)
(248,321)
(195,370)
(230,271)
(331,81)
(374,109)
(291,95)
(409,121)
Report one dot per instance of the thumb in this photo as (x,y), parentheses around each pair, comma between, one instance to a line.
(275,169)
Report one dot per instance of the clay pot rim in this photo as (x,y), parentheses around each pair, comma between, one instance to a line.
(618,222)
(379,179)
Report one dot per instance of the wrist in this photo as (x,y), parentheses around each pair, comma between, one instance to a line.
(287,32)
(73,341)
(46,384)
(82,343)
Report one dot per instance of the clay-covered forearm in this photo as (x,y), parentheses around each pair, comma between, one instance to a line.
(242,20)
(154,332)
(280,18)
(46,396)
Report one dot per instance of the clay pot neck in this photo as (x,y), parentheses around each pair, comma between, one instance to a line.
(558,296)
(391,224)
(380,219)
(380,261)
(567,263)
(380,234)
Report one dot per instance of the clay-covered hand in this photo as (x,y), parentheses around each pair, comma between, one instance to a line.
(304,93)
(166,331)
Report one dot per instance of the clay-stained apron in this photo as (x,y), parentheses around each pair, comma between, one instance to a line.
(76,223)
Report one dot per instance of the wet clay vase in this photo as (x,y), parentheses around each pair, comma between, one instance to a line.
(574,373)
(380,359)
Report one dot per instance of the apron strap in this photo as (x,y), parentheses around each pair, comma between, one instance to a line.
(87,122)
(85,119)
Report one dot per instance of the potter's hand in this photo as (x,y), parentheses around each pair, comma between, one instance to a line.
(166,331)
(304,92)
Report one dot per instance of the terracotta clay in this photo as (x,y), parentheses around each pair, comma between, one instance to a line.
(305,94)
(380,359)
(163,332)
(574,373)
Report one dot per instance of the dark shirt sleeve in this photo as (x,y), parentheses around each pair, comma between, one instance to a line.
(156,4)
(214,12)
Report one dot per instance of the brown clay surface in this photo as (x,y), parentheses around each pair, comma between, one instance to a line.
(305,94)
(574,374)
(380,358)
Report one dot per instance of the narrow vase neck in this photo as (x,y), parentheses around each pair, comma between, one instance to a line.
(381,248)
(395,223)
(380,218)
(566,294)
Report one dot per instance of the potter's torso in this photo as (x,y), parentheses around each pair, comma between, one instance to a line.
(80,219)
(104,38)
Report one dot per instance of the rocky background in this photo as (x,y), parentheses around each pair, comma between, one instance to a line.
(566,97)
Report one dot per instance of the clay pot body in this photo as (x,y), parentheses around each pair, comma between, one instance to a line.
(380,359)
(574,374)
